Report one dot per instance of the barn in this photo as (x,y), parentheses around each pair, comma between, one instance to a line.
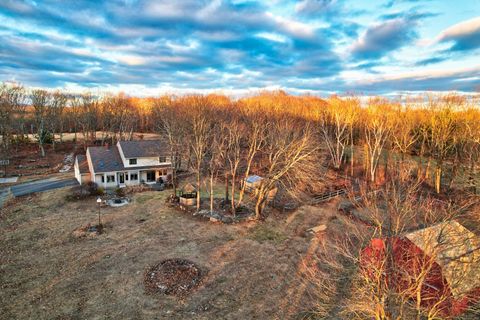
(447,253)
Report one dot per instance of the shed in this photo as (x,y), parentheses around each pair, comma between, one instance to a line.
(451,254)
(252,182)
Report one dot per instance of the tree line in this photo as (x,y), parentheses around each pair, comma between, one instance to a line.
(282,137)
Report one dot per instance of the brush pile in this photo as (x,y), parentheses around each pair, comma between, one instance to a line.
(173,277)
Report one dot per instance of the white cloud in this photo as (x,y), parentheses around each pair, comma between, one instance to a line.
(421,74)
(272,36)
(293,27)
(168,9)
(131,60)
(176,47)
(464,28)
(314,6)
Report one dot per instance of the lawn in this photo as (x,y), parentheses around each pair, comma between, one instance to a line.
(254,270)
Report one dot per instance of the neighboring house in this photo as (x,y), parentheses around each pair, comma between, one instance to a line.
(127,163)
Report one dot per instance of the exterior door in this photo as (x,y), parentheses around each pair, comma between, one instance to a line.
(121,178)
(150,176)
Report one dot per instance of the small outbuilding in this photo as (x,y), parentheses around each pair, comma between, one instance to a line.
(253,183)
(448,252)
(188,195)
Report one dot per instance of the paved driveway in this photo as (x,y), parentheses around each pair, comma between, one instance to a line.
(41,185)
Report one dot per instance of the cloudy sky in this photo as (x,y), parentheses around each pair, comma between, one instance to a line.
(318,46)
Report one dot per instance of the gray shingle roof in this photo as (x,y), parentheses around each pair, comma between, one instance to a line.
(144,148)
(105,159)
(108,159)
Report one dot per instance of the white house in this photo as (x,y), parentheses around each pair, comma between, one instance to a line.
(127,163)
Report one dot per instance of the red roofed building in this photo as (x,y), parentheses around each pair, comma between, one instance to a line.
(443,259)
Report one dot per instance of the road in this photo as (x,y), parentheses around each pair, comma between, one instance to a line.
(41,185)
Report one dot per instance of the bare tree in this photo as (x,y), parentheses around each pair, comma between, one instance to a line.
(11,105)
(87,112)
(199,133)
(334,126)
(471,149)
(376,131)
(257,127)
(41,104)
(55,114)
(442,128)
(215,149)
(367,272)
(288,148)
(404,133)
(170,123)
(232,129)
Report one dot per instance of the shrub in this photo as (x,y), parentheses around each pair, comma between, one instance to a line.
(92,188)
(100,191)
(120,192)
(45,136)
(136,189)
(78,193)
(84,191)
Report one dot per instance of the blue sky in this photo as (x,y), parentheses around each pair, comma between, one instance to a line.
(235,47)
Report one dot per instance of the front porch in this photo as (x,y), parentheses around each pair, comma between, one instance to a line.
(121,179)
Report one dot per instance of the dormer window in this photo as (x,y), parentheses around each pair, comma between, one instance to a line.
(132,161)
(162,159)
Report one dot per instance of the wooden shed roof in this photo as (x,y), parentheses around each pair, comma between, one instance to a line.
(189,188)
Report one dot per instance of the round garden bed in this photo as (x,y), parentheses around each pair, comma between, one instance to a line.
(173,277)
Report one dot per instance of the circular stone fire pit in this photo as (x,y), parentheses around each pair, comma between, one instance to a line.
(118,202)
(173,277)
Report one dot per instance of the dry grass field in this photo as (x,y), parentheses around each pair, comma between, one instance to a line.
(254,270)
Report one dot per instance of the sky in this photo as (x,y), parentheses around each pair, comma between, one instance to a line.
(322,47)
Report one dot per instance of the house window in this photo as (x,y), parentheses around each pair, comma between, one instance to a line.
(110,178)
(126,177)
(162,159)
(103,179)
(132,161)
(150,176)
(133,176)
